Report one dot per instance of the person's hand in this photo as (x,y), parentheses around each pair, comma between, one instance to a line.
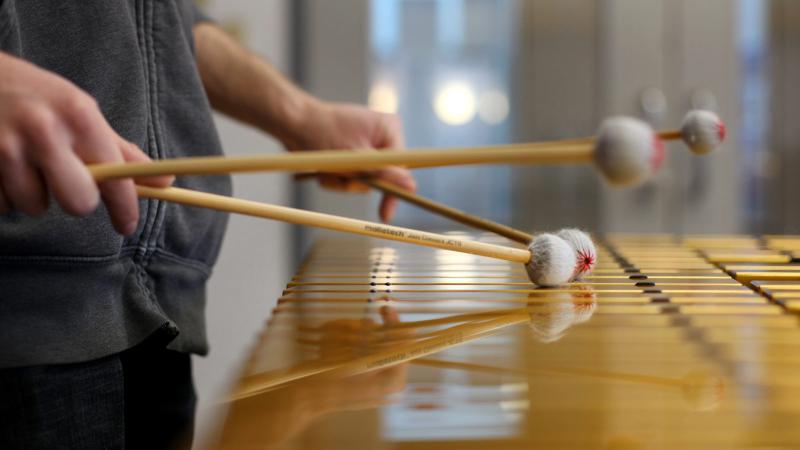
(49,130)
(343,126)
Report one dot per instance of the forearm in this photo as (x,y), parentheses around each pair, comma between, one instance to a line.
(246,87)
(243,85)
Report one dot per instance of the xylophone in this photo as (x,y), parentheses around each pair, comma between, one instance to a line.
(672,343)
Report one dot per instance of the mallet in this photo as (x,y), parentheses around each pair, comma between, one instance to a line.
(549,260)
(585,250)
(702,131)
(627,152)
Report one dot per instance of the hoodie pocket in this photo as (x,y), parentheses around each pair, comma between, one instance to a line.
(57,234)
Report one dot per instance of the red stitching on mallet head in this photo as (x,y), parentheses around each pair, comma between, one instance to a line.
(722,130)
(584,263)
(658,153)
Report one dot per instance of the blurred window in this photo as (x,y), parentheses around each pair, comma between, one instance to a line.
(445,67)
(756,159)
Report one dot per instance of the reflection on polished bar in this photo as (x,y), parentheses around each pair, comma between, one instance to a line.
(672,343)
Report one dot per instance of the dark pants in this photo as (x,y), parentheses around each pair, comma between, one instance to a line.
(141,398)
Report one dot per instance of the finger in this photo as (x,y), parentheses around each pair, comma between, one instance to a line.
(66,176)
(21,182)
(342,183)
(303,176)
(132,153)
(95,142)
(399,177)
(387,208)
(333,182)
(122,204)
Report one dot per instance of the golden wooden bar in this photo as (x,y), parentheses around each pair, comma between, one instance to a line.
(672,343)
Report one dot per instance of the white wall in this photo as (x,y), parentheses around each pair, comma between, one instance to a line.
(253,267)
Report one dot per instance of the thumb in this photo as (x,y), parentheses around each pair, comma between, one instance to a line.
(132,153)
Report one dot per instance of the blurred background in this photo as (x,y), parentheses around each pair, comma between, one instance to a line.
(478,72)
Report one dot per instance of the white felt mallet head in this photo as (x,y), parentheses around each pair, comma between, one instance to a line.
(585,251)
(627,151)
(702,131)
(552,260)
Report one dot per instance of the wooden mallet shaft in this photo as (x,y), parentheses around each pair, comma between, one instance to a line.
(448,211)
(346,160)
(557,152)
(666,135)
(331,222)
(440,208)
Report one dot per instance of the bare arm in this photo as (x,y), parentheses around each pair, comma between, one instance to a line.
(244,86)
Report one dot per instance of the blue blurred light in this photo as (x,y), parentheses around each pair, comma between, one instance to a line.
(450,24)
(385,26)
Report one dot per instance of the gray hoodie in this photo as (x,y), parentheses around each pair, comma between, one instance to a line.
(71,289)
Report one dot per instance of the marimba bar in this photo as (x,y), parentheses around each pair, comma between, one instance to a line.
(672,343)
